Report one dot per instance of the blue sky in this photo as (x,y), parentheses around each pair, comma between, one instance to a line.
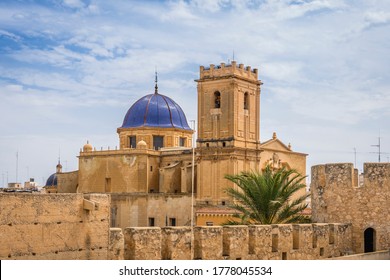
(69,70)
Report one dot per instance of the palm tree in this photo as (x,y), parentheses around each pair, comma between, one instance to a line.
(266,198)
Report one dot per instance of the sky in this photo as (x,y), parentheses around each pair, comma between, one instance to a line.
(70,70)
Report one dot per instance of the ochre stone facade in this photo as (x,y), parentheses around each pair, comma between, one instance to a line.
(155,162)
(337,197)
(229,136)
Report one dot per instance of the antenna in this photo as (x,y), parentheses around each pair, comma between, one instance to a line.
(379,149)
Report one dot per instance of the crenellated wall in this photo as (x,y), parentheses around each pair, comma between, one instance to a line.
(299,242)
(338,197)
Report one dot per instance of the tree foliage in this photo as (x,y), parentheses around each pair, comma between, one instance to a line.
(266,198)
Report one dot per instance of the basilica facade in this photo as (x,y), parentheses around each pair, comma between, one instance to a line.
(157,178)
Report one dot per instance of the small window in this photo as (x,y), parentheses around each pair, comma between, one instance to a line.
(275,242)
(209,224)
(246,101)
(107,185)
(172,222)
(151,222)
(217,99)
(182,142)
(113,216)
(132,142)
(158,142)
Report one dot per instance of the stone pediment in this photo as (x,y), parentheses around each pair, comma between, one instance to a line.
(276,145)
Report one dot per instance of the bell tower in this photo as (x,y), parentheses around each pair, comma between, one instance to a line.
(228,106)
(228,128)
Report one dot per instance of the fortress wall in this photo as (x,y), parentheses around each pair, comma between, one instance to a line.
(338,198)
(235,241)
(300,242)
(117,244)
(176,243)
(54,226)
(260,241)
(208,243)
(143,243)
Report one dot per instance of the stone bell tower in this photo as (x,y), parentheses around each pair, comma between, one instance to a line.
(228,106)
(228,128)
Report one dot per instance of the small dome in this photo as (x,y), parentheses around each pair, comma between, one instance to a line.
(87,147)
(142,145)
(155,110)
(52,180)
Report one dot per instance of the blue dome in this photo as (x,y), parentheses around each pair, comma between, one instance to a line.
(52,180)
(155,110)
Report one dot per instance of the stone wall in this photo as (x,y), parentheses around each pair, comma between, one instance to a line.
(299,242)
(337,197)
(54,226)
(139,210)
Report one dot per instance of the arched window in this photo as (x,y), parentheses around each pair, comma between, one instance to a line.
(217,99)
(246,101)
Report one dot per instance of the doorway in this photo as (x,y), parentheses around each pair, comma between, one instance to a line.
(369,240)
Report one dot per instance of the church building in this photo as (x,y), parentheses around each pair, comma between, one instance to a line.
(156,177)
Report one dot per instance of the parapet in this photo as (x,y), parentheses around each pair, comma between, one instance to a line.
(257,242)
(232,69)
(345,175)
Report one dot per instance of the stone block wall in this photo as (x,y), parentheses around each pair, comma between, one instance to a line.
(54,226)
(337,197)
(276,242)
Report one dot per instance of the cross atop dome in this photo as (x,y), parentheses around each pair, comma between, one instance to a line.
(155,86)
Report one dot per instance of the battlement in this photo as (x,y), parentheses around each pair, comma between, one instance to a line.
(232,69)
(287,241)
(344,175)
(337,196)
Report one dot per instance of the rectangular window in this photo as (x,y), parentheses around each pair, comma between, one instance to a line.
(132,142)
(209,224)
(113,216)
(182,142)
(172,222)
(108,185)
(295,237)
(331,234)
(158,142)
(275,242)
(151,222)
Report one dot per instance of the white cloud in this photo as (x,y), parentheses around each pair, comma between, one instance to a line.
(376,18)
(73,3)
